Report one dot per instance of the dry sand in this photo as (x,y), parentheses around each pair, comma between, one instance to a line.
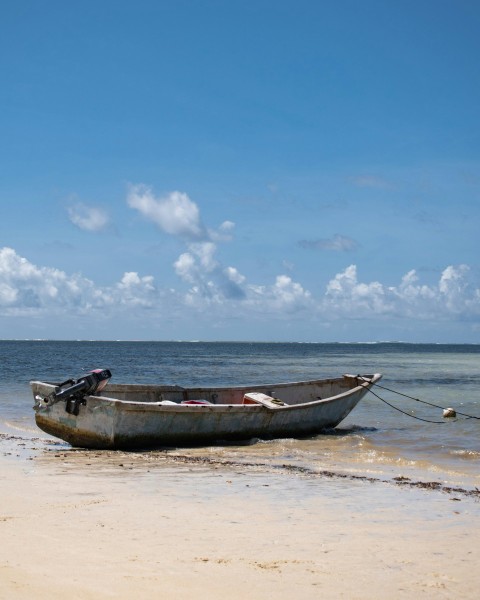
(80,526)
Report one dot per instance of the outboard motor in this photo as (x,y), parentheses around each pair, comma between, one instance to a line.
(74,395)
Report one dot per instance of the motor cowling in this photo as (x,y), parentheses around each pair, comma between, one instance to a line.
(74,395)
(95,381)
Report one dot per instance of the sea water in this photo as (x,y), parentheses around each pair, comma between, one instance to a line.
(374,440)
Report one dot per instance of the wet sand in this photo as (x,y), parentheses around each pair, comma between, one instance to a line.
(112,525)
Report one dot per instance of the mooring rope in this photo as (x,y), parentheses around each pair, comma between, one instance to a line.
(411,398)
(404,412)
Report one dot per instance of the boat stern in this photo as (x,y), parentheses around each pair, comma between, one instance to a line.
(90,425)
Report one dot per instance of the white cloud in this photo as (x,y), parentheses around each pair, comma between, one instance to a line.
(177,215)
(290,295)
(224,233)
(220,291)
(174,213)
(233,275)
(28,289)
(205,251)
(210,281)
(284,296)
(415,299)
(345,295)
(227,226)
(199,262)
(210,290)
(185,267)
(453,285)
(454,295)
(136,291)
(88,218)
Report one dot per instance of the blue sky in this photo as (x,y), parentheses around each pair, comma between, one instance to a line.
(288,170)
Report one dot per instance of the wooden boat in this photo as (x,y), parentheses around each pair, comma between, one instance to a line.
(122,416)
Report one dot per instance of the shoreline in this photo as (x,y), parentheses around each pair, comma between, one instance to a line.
(20,447)
(50,445)
(86,525)
(400,480)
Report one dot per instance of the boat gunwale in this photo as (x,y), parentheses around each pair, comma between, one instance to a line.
(158,406)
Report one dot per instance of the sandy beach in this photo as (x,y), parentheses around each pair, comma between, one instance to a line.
(112,525)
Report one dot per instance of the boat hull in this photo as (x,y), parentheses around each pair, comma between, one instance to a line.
(153,416)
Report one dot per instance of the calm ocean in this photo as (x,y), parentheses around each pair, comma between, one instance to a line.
(375,439)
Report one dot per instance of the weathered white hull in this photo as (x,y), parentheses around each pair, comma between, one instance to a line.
(143,416)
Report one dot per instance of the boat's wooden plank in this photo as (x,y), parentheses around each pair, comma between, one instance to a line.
(258,398)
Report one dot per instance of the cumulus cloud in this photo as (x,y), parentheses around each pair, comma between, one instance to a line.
(212,283)
(454,295)
(339,243)
(453,286)
(233,275)
(174,213)
(209,279)
(26,288)
(208,286)
(88,218)
(179,216)
(227,226)
(135,290)
(346,294)
(224,232)
(283,297)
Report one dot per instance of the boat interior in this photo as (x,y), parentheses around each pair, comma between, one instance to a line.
(276,395)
